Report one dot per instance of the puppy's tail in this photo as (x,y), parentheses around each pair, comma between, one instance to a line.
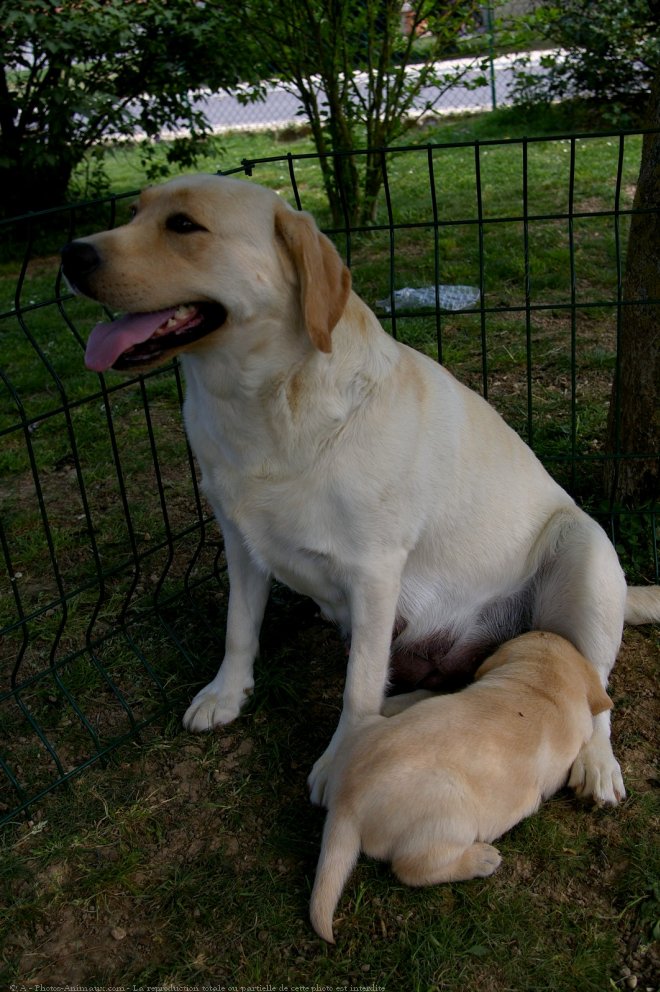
(340,848)
(643,604)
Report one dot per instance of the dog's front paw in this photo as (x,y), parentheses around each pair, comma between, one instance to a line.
(210,708)
(596,774)
(319,777)
(317,780)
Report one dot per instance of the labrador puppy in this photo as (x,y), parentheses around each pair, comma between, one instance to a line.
(430,787)
(345,464)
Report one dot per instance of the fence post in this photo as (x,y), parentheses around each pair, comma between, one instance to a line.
(490,27)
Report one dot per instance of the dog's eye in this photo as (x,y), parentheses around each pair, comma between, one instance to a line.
(182,224)
(132,210)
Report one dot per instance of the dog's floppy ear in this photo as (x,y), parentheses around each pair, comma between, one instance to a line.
(495,660)
(597,698)
(324,280)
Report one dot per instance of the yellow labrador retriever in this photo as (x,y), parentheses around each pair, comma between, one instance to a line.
(429,788)
(343,463)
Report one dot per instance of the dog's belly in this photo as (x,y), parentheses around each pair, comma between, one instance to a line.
(436,663)
(442,646)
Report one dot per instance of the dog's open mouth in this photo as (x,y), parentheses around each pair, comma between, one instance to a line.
(139,339)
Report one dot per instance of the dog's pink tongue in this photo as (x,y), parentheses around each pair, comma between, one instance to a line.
(108,341)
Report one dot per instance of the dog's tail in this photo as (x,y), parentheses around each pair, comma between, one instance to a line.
(340,848)
(643,604)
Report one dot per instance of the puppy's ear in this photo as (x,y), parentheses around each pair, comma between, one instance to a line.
(496,660)
(324,280)
(597,698)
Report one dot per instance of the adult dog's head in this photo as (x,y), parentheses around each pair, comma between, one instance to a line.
(203,255)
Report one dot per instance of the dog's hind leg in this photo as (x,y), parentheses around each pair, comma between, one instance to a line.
(447,863)
(581,594)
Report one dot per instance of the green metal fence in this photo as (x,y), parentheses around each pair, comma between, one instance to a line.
(114,591)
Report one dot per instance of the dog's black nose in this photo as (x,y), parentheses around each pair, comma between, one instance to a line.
(79,260)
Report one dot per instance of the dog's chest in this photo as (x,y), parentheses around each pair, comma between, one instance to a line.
(286,522)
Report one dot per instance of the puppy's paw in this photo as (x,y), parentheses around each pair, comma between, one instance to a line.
(484,860)
(596,775)
(447,863)
(210,708)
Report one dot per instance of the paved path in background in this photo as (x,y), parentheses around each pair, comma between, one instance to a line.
(280,108)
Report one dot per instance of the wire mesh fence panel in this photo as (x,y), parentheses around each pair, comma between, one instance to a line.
(101,522)
(502,259)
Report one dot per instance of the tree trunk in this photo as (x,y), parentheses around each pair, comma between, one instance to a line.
(634,414)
